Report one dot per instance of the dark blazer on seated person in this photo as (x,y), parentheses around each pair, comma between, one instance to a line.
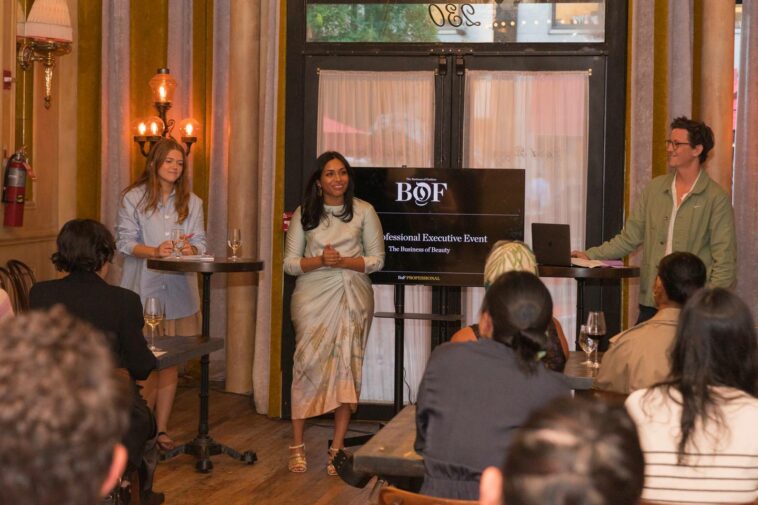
(473,398)
(117,312)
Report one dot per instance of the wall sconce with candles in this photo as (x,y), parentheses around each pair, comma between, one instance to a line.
(45,34)
(148,131)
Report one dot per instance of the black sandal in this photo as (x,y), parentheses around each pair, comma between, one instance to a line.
(164,446)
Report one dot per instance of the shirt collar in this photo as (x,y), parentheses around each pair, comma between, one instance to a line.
(700,183)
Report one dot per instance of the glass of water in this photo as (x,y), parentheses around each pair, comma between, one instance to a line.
(177,239)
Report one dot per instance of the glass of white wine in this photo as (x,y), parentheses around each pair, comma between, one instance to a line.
(235,242)
(153,312)
(588,345)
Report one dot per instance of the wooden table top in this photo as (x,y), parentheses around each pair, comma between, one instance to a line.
(589,273)
(181,349)
(390,451)
(219,264)
(579,376)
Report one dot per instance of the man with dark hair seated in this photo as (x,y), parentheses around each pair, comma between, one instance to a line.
(64,411)
(85,249)
(639,357)
(572,451)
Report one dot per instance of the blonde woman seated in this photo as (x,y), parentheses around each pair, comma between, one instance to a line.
(510,256)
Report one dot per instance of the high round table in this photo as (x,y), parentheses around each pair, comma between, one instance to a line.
(203,446)
(581,274)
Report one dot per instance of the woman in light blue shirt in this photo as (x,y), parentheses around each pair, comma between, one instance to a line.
(159,201)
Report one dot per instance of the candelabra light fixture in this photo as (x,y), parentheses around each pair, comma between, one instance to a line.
(45,34)
(147,131)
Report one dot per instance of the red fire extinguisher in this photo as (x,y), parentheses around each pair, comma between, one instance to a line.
(14,188)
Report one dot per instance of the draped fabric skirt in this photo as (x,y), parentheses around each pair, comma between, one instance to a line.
(332,311)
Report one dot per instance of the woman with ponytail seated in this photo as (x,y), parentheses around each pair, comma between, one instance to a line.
(475,395)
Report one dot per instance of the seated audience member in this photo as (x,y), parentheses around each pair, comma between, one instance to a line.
(570,452)
(639,357)
(475,395)
(85,249)
(510,256)
(697,429)
(6,308)
(64,411)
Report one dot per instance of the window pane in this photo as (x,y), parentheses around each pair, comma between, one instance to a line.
(475,22)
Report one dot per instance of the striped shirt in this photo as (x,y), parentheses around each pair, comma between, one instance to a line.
(722,461)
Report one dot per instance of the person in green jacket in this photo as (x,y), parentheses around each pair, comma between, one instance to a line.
(684,210)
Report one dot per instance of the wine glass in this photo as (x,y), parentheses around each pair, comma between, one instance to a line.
(235,241)
(177,238)
(153,313)
(588,345)
(596,329)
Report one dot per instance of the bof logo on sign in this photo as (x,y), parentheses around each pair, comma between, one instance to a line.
(420,192)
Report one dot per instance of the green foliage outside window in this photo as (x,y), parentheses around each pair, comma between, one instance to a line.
(369,23)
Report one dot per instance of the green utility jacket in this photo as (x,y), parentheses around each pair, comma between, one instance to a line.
(704,226)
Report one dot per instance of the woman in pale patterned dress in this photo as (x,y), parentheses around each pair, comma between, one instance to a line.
(334,241)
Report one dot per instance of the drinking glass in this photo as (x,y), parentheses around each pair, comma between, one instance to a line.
(153,313)
(177,238)
(596,330)
(588,344)
(235,241)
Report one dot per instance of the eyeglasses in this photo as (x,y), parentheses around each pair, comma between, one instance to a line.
(673,144)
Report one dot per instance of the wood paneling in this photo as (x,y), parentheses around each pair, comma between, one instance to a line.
(88,109)
(233,421)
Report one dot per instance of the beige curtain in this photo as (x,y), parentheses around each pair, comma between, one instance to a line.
(268,63)
(746,160)
(114,105)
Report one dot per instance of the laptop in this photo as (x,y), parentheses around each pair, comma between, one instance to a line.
(551,244)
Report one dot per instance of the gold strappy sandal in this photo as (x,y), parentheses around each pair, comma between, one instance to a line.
(330,470)
(296,462)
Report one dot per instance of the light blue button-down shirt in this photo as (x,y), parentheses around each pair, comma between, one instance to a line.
(135,226)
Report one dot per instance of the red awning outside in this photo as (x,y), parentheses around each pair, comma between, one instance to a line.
(333,126)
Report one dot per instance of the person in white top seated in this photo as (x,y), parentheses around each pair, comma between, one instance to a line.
(698,428)
(639,357)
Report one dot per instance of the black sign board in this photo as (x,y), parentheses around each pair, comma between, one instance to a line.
(439,225)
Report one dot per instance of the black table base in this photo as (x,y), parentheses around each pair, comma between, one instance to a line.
(203,446)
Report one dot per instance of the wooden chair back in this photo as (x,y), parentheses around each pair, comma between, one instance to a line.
(22,277)
(394,496)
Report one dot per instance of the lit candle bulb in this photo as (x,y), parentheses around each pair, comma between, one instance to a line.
(142,128)
(188,130)
(162,93)
(154,128)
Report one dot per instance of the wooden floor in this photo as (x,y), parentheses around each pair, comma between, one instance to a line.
(233,421)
